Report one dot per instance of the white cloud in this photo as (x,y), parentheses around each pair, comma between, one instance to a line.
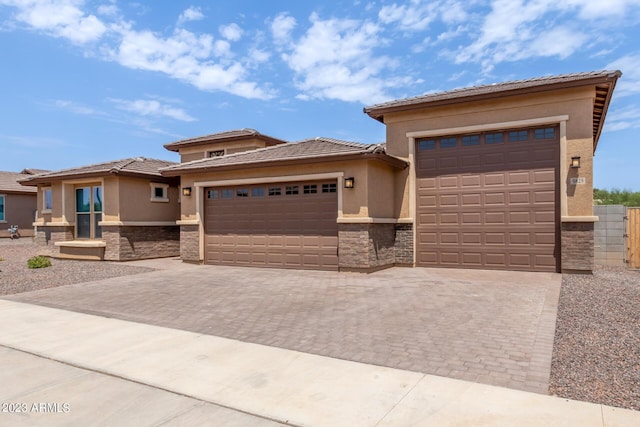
(516,29)
(281,28)
(59,18)
(190,14)
(153,108)
(629,83)
(231,32)
(76,108)
(335,59)
(108,10)
(417,15)
(626,118)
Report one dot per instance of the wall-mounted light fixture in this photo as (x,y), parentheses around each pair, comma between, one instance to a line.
(349,182)
(186,191)
(575,162)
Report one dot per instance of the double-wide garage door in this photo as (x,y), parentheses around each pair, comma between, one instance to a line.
(285,225)
(489,200)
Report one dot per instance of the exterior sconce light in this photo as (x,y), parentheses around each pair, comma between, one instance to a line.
(349,182)
(575,162)
(186,191)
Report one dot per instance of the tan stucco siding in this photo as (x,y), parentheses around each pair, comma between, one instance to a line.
(19,209)
(381,190)
(188,154)
(111,205)
(576,103)
(356,202)
(135,202)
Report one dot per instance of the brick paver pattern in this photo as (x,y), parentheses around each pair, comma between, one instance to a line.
(489,327)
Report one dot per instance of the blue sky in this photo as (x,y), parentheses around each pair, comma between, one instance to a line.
(85,81)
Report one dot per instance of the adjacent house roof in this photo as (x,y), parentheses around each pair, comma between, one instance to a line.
(33,171)
(232,135)
(9,183)
(306,151)
(136,167)
(604,82)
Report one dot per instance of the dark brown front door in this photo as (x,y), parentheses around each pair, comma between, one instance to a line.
(286,225)
(489,200)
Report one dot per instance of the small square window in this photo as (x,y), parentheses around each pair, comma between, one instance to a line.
(215,153)
(518,135)
(328,188)
(471,140)
(427,144)
(448,142)
(310,189)
(493,138)
(544,133)
(257,192)
(159,192)
(242,192)
(227,193)
(213,194)
(275,191)
(291,190)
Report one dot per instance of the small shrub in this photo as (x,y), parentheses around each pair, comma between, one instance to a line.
(39,261)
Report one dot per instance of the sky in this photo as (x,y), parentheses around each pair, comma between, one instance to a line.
(86,81)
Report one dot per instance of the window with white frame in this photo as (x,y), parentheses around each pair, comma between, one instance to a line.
(47,199)
(2,208)
(159,192)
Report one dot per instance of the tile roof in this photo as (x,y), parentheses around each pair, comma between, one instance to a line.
(309,149)
(134,166)
(497,89)
(9,183)
(33,171)
(231,135)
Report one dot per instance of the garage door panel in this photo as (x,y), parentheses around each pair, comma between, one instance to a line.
(501,212)
(290,231)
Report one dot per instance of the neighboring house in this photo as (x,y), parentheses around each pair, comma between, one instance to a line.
(492,177)
(17,204)
(118,210)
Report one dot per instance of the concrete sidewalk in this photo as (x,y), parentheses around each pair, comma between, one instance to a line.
(263,383)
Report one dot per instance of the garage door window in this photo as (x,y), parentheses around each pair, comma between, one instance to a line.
(448,142)
(257,192)
(291,190)
(310,189)
(242,192)
(328,188)
(545,133)
(275,191)
(213,194)
(493,138)
(427,144)
(471,140)
(518,136)
(227,193)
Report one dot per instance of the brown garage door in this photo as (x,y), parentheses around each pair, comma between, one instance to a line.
(489,200)
(287,225)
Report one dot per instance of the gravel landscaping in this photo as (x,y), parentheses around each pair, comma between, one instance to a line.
(16,277)
(596,353)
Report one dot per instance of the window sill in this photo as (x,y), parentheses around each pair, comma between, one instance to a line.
(46,211)
(160,200)
(82,244)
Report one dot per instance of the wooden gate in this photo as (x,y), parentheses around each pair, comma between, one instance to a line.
(633,238)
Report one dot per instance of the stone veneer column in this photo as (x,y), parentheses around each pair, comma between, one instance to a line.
(365,246)
(577,240)
(128,243)
(48,234)
(190,243)
(403,245)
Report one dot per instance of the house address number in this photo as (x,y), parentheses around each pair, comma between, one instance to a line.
(576,181)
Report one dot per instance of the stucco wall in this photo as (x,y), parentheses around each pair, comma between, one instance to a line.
(188,154)
(577,103)
(135,202)
(372,195)
(19,209)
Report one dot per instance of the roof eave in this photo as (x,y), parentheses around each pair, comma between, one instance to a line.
(612,86)
(38,180)
(385,158)
(176,146)
(378,113)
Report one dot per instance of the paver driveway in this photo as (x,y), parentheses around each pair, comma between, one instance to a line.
(490,327)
